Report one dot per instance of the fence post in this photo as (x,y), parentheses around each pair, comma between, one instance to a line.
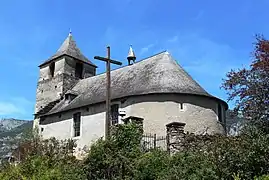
(167,142)
(175,133)
(155,139)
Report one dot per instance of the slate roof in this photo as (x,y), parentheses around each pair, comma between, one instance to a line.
(69,48)
(157,74)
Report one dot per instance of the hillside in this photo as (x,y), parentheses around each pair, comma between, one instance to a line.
(11,131)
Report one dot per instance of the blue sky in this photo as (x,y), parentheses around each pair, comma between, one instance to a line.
(207,38)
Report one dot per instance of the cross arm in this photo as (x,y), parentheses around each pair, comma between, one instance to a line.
(107,60)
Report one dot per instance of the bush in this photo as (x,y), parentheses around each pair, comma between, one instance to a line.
(120,157)
(44,159)
(151,165)
(115,158)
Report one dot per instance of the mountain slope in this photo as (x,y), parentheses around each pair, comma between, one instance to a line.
(11,131)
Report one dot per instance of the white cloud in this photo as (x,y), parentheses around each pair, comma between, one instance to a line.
(146,48)
(204,56)
(16,107)
(206,60)
(7,108)
(173,39)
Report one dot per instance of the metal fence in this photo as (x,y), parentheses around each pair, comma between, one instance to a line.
(152,141)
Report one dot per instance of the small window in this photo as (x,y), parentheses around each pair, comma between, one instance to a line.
(52,69)
(42,120)
(76,124)
(114,114)
(181,106)
(69,97)
(79,70)
(42,129)
(219,113)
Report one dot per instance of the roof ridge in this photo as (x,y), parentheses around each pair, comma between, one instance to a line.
(144,59)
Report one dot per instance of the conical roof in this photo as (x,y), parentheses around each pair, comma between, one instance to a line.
(157,74)
(69,48)
(131,53)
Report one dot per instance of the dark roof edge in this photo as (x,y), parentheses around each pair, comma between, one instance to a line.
(89,63)
(211,97)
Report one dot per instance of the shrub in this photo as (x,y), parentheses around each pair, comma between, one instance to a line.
(114,158)
(44,159)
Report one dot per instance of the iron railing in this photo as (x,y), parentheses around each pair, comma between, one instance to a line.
(152,141)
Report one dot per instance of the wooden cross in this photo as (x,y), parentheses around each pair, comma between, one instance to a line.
(108,61)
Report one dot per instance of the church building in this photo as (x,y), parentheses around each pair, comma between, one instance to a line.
(70,97)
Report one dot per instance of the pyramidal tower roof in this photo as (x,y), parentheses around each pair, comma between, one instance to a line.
(69,48)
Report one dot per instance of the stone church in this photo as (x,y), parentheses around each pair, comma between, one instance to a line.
(70,97)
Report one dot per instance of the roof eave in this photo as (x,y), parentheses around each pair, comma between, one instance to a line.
(52,59)
(201,95)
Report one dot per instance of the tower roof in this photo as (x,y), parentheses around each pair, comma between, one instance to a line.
(131,53)
(69,48)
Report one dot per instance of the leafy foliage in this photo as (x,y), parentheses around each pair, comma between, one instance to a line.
(249,87)
(44,159)
(114,158)
(202,157)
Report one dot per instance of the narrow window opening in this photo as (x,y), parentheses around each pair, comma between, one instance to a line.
(42,129)
(219,113)
(55,87)
(76,124)
(87,109)
(52,69)
(114,114)
(79,70)
(181,106)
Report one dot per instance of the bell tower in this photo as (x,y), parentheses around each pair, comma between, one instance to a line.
(60,73)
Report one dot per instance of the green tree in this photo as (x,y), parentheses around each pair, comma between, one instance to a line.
(249,86)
